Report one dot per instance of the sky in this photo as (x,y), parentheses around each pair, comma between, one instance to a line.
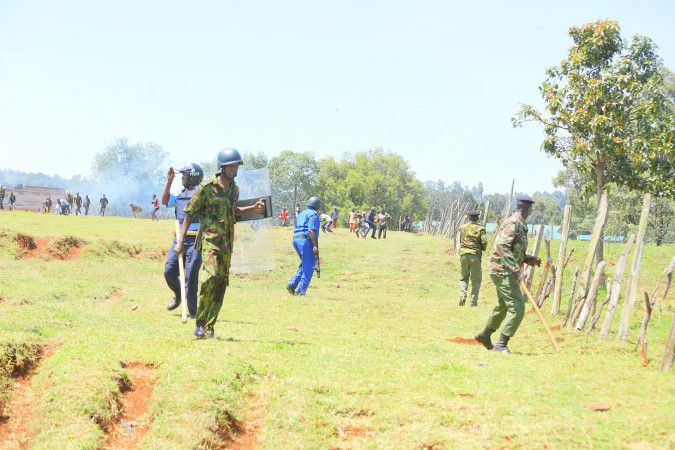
(436,82)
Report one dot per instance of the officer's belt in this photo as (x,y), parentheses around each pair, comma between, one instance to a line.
(300,236)
(191,233)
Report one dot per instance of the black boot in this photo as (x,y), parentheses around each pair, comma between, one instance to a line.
(484,338)
(175,303)
(501,345)
(290,288)
(200,331)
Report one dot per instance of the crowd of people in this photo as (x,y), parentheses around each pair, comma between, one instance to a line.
(360,223)
(73,205)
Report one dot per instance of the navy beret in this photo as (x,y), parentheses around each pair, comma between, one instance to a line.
(473,213)
(525,199)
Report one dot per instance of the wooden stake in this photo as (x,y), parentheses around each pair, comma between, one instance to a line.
(570,302)
(649,306)
(547,267)
(619,270)
(592,247)
(181,273)
(592,295)
(562,249)
(669,350)
(596,317)
(541,316)
(535,252)
(487,210)
(632,287)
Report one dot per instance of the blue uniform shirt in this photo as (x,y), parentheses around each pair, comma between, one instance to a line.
(179,202)
(307,220)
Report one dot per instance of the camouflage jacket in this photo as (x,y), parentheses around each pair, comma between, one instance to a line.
(472,239)
(510,248)
(217,210)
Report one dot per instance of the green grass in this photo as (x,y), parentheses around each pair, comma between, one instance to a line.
(363,361)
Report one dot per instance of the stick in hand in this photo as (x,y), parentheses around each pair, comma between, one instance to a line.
(181,272)
(541,316)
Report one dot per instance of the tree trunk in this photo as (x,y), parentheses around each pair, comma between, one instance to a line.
(619,270)
(632,287)
(600,186)
(562,249)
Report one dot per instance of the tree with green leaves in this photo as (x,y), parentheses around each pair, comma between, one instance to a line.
(293,177)
(378,178)
(606,112)
(139,162)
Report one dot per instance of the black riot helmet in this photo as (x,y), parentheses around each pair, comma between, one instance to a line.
(229,156)
(194,172)
(314,203)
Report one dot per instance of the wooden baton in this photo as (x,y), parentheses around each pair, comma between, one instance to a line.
(541,316)
(181,276)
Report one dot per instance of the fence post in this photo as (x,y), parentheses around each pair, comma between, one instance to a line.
(562,249)
(632,286)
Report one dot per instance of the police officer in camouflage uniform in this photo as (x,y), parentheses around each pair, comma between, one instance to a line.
(472,243)
(505,273)
(191,175)
(215,202)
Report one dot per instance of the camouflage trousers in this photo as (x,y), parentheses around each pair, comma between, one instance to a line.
(214,276)
(510,308)
(471,270)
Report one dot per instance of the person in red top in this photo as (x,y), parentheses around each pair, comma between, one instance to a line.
(284,216)
(155,206)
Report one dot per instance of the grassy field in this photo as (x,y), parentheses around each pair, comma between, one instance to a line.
(365,360)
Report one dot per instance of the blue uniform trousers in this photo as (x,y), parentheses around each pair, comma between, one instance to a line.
(193,261)
(305,271)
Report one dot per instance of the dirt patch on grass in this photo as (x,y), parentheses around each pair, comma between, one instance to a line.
(459,340)
(353,431)
(232,433)
(133,424)
(15,431)
(226,429)
(62,247)
(115,296)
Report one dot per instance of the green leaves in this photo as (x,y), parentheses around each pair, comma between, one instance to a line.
(607,112)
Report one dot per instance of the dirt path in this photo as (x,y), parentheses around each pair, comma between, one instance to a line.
(15,431)
(135,400)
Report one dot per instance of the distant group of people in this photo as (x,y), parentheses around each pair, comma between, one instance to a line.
(12,199)
(360,223)
(73,204)
(363,223)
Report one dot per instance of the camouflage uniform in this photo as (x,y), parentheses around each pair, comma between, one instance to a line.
(217,210)
(472,243)
(504,271)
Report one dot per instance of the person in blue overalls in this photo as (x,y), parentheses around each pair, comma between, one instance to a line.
(192,175)
(305,241)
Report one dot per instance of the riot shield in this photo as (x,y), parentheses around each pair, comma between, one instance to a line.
(254,238)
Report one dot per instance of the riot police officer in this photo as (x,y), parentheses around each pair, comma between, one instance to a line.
(191,175)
